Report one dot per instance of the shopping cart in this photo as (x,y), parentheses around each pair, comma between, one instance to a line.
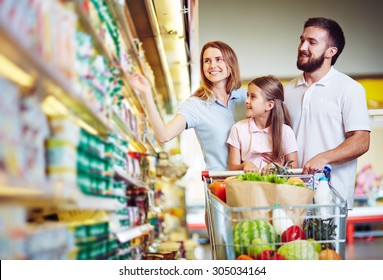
(225,223)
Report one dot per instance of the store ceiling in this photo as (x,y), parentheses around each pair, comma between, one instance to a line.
(160,27)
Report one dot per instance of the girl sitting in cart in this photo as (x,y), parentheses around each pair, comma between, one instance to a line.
(265,137)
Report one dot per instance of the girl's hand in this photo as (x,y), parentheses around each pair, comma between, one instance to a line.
(139,83)
(267,157)
(273,168)
(269,169)
(250,167)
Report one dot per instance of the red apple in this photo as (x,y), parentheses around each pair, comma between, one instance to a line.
(270,255)
(218,188)
(293,233)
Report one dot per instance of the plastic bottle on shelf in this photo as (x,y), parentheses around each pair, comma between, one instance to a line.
(281,221)
(324,195)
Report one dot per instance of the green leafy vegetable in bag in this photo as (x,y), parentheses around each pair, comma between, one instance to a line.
(270,178)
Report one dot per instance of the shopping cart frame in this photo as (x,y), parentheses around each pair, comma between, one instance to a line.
(221,217)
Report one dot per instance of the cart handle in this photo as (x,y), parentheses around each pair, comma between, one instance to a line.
(209,174)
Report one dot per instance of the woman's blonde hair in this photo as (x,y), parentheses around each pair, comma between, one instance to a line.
(205,91)
(272,89)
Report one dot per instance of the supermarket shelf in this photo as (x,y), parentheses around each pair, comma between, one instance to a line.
(143,17)
(366,211)
(136,143)
(88,28)
(125,235)
(113,61)
(90,202)
(121,14)
(129,94)
(16,189)
(7,192)
(375,112)
(58,86)
(17,51)
(363,215)
(154,147)
(73,198)
(119,174)
(133,140)
(57,194)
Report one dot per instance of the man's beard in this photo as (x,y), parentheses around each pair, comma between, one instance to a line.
(311,65)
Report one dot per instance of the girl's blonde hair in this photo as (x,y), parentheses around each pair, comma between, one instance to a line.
(205,91)
(272,89)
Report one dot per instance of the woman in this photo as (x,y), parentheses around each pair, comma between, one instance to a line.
(213,108)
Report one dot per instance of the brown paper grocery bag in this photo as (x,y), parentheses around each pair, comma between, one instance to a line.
(256,195)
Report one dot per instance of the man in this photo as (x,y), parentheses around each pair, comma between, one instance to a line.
(328,109)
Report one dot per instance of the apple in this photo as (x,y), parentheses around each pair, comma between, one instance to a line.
(270,255)
(259,245)
(293,233)
(316,244)
(218,188)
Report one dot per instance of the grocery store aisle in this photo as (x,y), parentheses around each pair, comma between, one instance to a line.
(362,249)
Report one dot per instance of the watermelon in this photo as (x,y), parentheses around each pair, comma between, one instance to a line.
(254,236)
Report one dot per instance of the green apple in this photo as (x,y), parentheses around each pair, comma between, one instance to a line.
(316,244)
(258,246)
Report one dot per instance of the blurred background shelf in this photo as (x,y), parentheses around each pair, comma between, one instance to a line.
(32,67)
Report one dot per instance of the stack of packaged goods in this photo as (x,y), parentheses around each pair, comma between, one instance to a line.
(67,132)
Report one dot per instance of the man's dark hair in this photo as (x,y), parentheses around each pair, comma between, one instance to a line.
(335,33)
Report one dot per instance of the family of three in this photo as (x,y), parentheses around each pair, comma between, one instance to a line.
(319,117)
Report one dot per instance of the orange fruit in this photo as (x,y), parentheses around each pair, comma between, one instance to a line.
(329,254)
(245,257)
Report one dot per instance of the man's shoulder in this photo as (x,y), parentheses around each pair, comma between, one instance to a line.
(293,83)
(345,80)
(286,127)
(287,130)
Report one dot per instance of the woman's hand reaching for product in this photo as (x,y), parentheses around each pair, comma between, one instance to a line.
(139,83)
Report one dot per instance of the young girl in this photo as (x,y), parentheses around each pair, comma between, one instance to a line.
(265,136)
